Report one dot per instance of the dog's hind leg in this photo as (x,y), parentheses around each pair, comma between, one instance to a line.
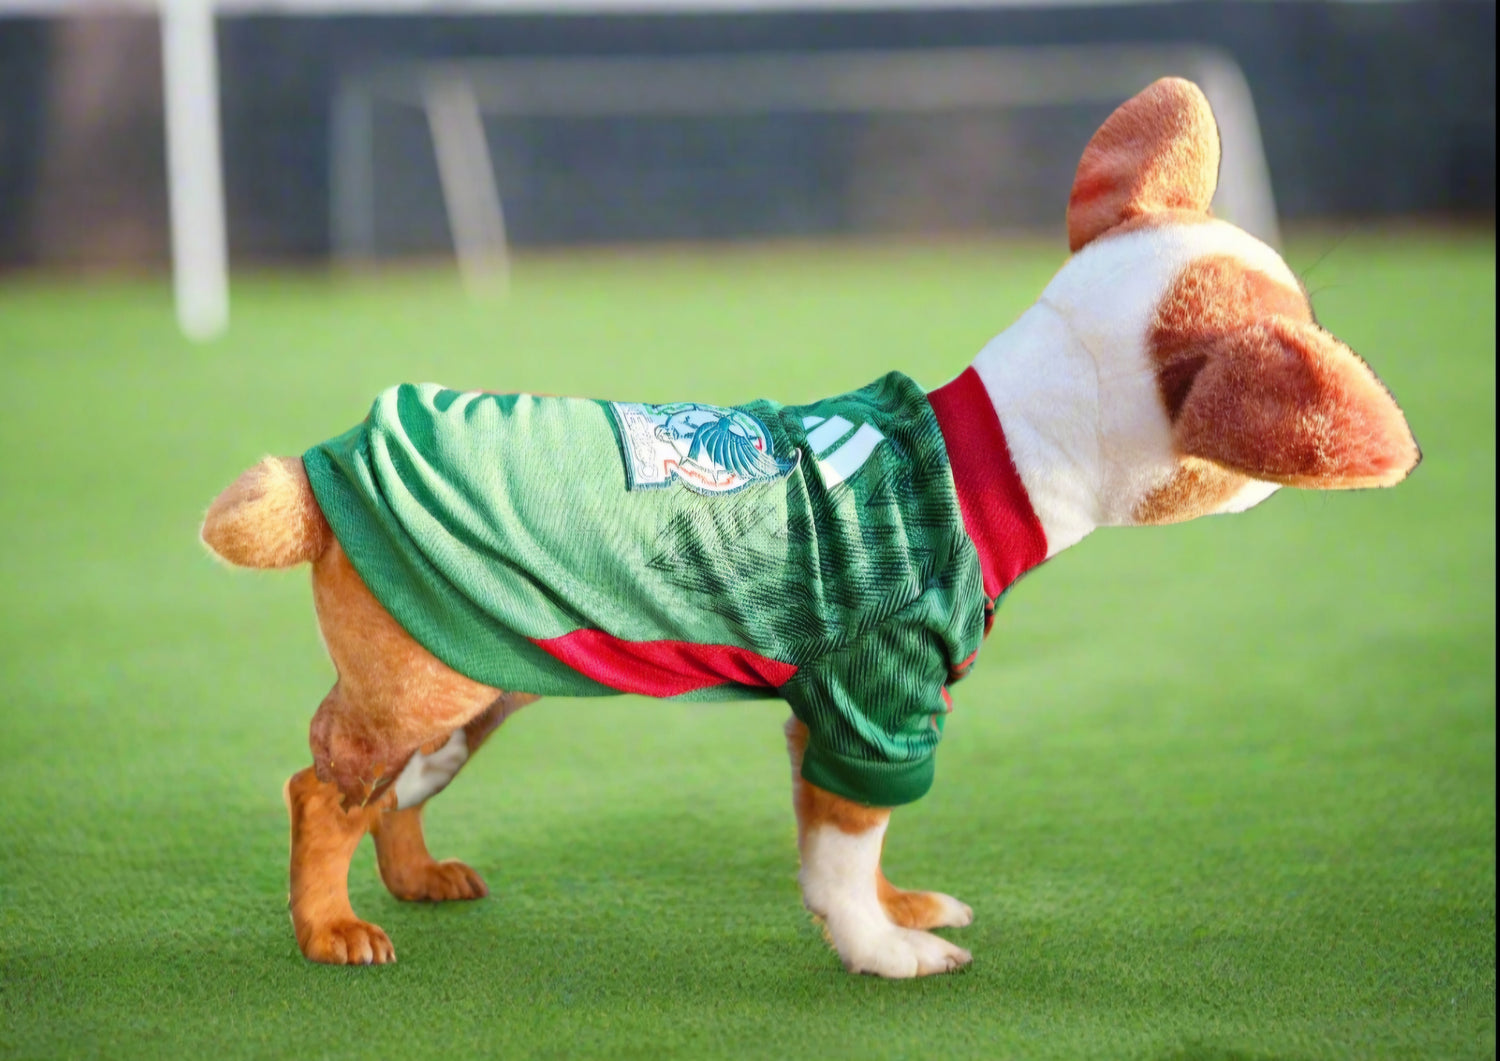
(875,926)
(394,705)
(393,697)
(406,867)
(324,836)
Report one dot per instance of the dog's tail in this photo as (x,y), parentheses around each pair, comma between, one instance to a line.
(268,518)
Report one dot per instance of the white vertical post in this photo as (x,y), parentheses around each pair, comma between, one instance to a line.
(195,178)
(1245,196)
(351,187)
(470,193)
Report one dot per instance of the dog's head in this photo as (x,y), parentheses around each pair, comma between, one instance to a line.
(1214,384)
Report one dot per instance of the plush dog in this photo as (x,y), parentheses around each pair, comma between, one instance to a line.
(472,551)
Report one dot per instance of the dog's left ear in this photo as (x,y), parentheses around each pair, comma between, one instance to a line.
(1158,151)
(1284,402)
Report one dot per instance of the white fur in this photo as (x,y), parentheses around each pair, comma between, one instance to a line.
(1250,495)
(1074,387)
(838,884)
(424,776)
(1044,386)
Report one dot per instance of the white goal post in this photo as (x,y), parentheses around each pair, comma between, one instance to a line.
(455,97)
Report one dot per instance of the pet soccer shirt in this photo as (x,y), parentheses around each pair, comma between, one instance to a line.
(579,548)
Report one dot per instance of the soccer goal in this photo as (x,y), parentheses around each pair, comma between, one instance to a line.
(456,100)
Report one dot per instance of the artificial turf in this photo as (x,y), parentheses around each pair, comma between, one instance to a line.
(1218,791)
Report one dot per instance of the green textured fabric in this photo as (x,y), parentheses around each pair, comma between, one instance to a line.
(833,544)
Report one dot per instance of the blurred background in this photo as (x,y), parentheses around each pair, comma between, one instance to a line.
(1365,110)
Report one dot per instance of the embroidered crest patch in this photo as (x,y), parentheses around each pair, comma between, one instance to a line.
(708,448)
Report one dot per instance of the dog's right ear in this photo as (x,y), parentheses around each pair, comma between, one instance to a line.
(1158,151)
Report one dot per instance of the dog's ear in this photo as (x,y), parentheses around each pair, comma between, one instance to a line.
(1285,402)
(1159,151)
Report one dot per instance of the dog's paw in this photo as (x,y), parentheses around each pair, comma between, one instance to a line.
(900,953)
(437,882)
(349,943)
(926,909)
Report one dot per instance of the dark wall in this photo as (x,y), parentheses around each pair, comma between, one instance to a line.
(1366,108)
(23,75)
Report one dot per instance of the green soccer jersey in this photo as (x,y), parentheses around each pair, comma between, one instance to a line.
(566,546)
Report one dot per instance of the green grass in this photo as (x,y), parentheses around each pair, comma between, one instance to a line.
(1217,792)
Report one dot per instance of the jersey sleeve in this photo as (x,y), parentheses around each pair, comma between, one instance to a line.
(874,711)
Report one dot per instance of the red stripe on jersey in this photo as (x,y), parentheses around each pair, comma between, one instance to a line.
(997,513)
(663,668)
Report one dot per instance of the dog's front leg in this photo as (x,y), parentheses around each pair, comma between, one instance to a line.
(875,927)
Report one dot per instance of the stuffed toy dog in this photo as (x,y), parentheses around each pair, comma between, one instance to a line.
(845,556)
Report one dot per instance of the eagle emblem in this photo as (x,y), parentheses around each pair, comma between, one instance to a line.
(708,448)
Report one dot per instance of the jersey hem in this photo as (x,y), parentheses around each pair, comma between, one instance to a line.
(873,784)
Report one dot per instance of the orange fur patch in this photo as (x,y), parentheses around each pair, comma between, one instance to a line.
(1212,298)
(921,910)
(816,806)
(1285,402)
(1197,488)
(1158,151)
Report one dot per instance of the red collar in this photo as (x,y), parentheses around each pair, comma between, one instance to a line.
(997,513)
